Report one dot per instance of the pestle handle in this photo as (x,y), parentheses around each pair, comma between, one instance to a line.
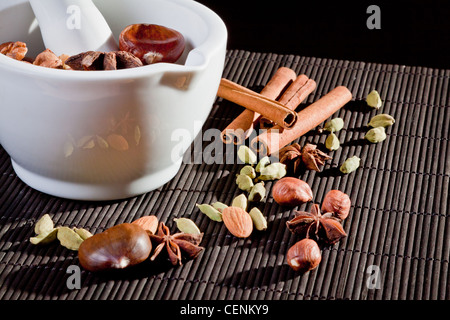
(73,26)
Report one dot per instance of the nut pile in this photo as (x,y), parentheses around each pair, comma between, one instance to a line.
(139,45)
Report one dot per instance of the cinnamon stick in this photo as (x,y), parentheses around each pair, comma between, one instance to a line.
(256,102)
(270,141)
(295,94)
(242,126)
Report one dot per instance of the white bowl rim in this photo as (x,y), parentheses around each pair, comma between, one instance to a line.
(217,34)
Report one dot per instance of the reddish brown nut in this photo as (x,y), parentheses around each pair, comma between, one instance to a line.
(152,43)
(304,256)
(118,247)
(338,203)
(48,59)
(289,191)
(16,50)
(237,221)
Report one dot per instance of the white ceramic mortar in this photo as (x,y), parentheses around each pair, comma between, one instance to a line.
(54,123)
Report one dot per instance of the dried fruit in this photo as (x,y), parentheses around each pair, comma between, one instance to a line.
(294,155)
(237,221)
(376,135)
(96,60)
(117,247)
(291,156)
(240,201)
(148,223)
(332,143)
(313,157)
(118,142)
(304,256)
(246,155)
(350,165)
(244,182)
(15,50)
(373,99)
(338,203)
(69,238)
(187,226)
(44,237)
(44,224)
(177,245)
(257,193)
(210,211)
(381,120)
(49,60)
(290,191)
(83,233)
(259,221)
(273,171)
(264,162)
(219,206)
(152,43)
(334,125)
(248,171)
(323,227)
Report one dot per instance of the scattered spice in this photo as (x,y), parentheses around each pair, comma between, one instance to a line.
(293,156)
(187,226)
(350,165)
(332,143)
(334,125)
(373,99)
(381,120)
(96,60)
(177,245)
(322,227)
(376,135)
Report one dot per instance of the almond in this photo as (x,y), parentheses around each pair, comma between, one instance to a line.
(148,223)
(237,221)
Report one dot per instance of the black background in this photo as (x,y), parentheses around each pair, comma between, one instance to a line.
(412,32)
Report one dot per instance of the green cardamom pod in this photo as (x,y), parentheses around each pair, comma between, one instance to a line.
(258,192)
(248,171)
(334,125)
(381,120)
(44,224)
(350,165)
(210,212)
(69,238)
(273,171)
(219,206)
(83,233)
(264,162)
(259,221)
(246,155)
(240,201)
(244,182)
(332,143)
(373,99)
(44,237)
(187,226)
(376,135)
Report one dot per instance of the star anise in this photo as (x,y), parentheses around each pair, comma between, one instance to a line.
(294,155)
(313,157)
(313,224)
(291,156)
(177,245)
(96,60)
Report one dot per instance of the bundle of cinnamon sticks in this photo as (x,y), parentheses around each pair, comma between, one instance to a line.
(273,109)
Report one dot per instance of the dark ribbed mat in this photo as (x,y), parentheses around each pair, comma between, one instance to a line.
(399,226)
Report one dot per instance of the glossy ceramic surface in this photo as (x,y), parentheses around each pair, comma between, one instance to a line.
(105,135)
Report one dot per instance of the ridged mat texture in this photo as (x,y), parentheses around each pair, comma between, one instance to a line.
(398,228)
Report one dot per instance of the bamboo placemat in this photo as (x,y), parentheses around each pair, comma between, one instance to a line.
(399,220)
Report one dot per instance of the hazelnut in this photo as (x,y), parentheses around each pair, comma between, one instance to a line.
(304,255)
(338,203)
(290,191)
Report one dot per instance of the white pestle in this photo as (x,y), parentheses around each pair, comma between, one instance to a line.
(73,26)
